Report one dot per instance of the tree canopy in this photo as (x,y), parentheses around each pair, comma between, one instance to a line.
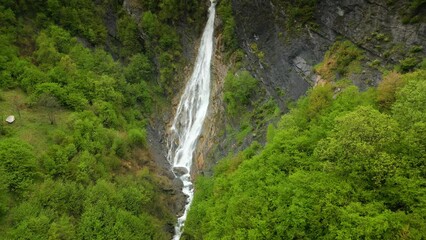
(335,167)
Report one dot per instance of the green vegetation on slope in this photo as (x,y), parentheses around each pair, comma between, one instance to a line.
(224,10)
(248,110)
(414,11)
(75,163)
(299,14)
(340,60)
(238,91)
(63,160)
(335,167)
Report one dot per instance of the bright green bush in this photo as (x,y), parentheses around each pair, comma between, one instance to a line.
(137,137)
(224,10)
(238,90)
(139,69)
(18,165)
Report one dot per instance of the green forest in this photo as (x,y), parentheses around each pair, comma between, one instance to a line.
(75,164)
(86,80)
(342,164)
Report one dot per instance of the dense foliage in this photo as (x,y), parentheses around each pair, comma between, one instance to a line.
(335,167)
(238,90)
(299,14)
(75,163)
(80,114)
(248,110)
(82,78)
(229,36)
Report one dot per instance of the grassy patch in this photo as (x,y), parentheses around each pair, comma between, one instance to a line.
(299,14)
(32,124)
(224,10)
(414,12)
(342,59)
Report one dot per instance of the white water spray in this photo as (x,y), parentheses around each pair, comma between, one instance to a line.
(190,116)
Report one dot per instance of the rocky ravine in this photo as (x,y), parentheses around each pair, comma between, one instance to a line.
(162,116)
(286,70)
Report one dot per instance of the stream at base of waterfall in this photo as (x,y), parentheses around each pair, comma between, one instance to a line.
(189,117)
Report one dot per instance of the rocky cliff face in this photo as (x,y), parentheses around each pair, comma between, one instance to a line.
(209,142)
(286,68)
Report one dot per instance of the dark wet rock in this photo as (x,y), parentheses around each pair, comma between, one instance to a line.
(179,171)
(286,68)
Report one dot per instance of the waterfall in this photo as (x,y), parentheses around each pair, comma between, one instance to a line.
(189,117)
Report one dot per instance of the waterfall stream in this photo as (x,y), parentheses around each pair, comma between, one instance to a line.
(189,117)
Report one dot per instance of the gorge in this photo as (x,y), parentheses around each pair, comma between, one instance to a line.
(226,119)
(189,117)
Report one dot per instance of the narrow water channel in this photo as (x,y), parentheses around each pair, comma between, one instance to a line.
(189,117)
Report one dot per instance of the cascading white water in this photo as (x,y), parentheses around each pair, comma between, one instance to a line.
(190,116)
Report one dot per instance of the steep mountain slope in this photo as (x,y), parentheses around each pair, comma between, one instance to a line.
(282,43)
(347,160)
(294,35)
(90,83)
(93,85)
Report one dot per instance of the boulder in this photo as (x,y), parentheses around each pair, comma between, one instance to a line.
(179,171)
(10,119)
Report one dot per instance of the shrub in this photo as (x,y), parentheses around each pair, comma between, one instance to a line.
(319,98)
(229,37)
(407,64)
(139,69)
(341,59)
(387,89)
(412,13)
(128,34)
(120,147)
(137,137)
(299,13)
(18,162)
(237,91)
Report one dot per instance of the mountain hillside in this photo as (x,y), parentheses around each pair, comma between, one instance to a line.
(291,46)
(315,128)
(87,82)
